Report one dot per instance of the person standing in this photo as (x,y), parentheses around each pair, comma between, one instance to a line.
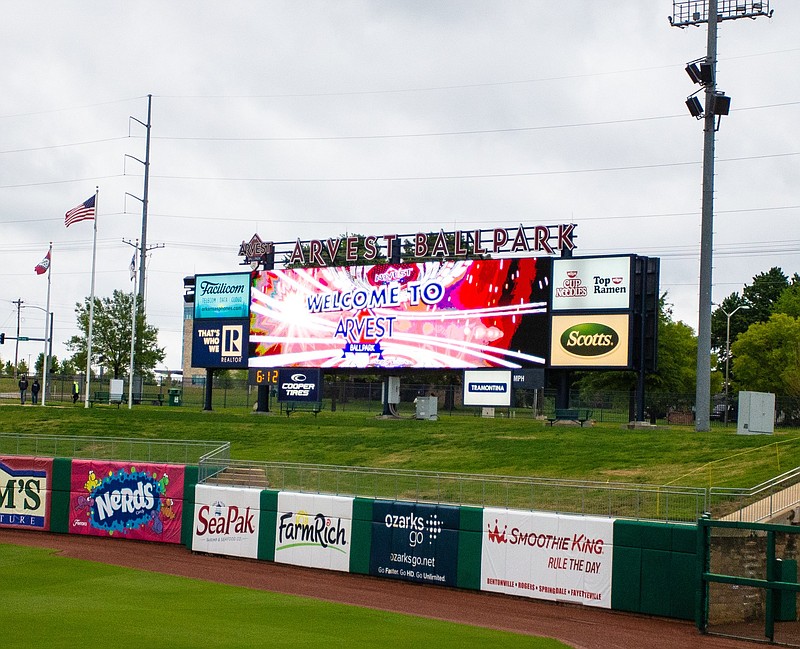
(35,387)
(23,388)
(76,391)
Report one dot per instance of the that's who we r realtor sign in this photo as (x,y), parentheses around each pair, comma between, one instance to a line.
(493,300)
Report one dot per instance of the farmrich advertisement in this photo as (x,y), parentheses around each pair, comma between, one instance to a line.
(314,530)
(226,521)
(25,492)
(125,500)
(548,556)
(443,314)
(415,542)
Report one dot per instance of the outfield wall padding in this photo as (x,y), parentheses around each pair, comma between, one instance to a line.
(635,566)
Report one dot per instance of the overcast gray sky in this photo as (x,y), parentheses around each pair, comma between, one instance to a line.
(312,119)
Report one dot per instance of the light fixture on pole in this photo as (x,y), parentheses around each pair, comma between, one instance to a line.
(728,352)
(687,13)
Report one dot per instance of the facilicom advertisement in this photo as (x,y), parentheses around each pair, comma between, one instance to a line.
(25,492)
(548,556)
(126,500)
(314,530)
(226,521)
(415,542)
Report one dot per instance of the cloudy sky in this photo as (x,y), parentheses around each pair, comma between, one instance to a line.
(314,119)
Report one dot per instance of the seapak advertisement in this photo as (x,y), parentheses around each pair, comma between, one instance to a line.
(314,530)
(133,500)
(226,521)
(415,542)
(548,556)
(25,492)
(444,314)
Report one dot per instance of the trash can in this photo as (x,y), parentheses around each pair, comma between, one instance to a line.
(174,396)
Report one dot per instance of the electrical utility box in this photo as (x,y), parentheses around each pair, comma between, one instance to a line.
(393,385)
(756,413)
(427,408)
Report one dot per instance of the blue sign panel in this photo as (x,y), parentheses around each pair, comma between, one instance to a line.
(300,384)
(415,542)
(222,296)
(220,343)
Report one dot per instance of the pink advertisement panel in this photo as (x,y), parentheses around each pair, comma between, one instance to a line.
(442,314)
(128,500)
(25,484)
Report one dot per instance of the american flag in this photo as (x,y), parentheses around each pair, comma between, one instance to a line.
(83,212)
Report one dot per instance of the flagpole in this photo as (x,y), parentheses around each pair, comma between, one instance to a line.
(133,328)
(46,364)
(91,300)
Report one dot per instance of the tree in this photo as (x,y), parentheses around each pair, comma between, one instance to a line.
(111,336)
(677,366)
(789,301)
(766,358)
(37,368)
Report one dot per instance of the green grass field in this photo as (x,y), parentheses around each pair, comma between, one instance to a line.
(502,446)
(54,601)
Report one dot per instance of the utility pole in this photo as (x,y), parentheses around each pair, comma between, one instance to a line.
(19,304)
(684,14)
(144,199)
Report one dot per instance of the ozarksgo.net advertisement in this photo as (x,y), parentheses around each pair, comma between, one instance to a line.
(415,542)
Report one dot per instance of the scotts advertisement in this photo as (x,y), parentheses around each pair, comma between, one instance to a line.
(487,388)
(592,283)
(300,385)
(415,542)
(548,556)
(226,521)
(25,492)
(222,296)
(591,340)
(314,530)
(127,500)
(442,314)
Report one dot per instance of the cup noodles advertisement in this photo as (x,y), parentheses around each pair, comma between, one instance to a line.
(25,492)
(548,556)
(443,314)
(592,283)
(314,530)
(127,500)
(226,521)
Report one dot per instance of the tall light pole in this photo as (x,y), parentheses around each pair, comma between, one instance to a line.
(728,352)
(684,14)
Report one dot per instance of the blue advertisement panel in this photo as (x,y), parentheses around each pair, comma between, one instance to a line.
(222,296)
(220,343)
(299,385)
(415,542)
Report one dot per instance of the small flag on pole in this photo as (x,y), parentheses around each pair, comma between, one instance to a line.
(133,266)
(83,212)
(42,266)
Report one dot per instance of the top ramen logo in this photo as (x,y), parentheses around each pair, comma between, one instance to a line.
(589,339)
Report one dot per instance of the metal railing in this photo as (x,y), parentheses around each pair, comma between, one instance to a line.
(638,501)
(761,503)
(110,448)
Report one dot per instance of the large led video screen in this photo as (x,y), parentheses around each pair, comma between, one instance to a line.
(442,314)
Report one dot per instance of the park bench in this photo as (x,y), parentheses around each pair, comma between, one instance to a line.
(580,415)
(103,396)
(305,406)
(155,398)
